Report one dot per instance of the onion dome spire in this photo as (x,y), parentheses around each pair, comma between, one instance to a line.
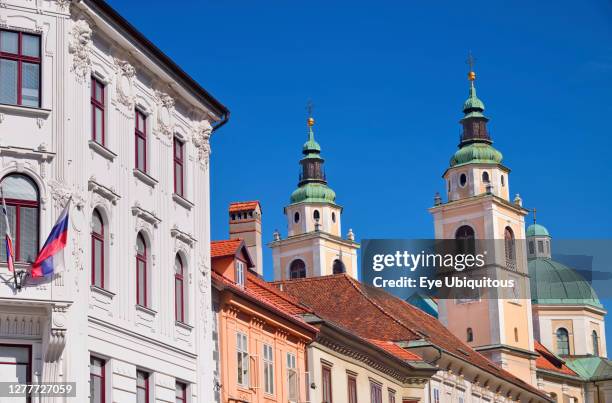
(312,186)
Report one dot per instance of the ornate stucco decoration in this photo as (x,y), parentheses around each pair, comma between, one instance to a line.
(125,82)
(61,192)
(201,140)
(103,191)
(146,216)
(182,237)
(80,48)
(57,333)
(165,113)
(63,5)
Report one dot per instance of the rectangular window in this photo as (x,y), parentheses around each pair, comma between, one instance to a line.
(240,273)
(181,392)
(179,170)
(352,389)
(292,378)
(242,357)
(141,141)
(96,380)
(326,384)
(268,363)
(97,111)
(436,395)
(141,285)
(375,392)
(19,68)
(15,365)
(540,246)
(142,387)
(391,396)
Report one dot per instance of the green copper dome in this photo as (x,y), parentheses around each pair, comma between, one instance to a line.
(537,230)
(313,193)
(476,153)
(553,283)
(473,106)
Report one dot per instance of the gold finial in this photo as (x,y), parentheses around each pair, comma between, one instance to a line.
(470,62)
(309,107)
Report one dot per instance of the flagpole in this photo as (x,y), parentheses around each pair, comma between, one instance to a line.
(8,231)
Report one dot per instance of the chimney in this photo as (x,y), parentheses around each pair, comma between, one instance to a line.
(245,223)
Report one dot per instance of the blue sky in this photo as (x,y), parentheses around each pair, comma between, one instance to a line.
(388,80)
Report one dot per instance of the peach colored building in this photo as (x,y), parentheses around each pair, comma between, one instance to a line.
(261,339)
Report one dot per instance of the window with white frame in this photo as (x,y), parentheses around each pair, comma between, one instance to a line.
(292,378)
(268,364)
(239,272)
(242,358)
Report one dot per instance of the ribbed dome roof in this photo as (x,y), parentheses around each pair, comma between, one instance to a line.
(313,192)
(553,283)
(476,153)
(537,230)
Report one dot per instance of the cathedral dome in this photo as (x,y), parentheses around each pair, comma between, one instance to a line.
(476,153)
(313,192)
(537,230)
(553,283)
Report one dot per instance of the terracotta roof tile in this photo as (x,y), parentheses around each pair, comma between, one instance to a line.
(224,248)
(395,350)
(372,313)
(243,206)
(548,361)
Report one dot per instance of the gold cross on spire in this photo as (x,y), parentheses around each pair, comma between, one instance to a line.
(309,108)
(470,62)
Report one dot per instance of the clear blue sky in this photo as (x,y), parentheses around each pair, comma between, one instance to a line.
(388,80)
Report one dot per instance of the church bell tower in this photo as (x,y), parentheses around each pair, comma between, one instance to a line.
(497,323)
(314,245)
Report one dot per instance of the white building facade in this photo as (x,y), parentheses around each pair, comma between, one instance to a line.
(90,110)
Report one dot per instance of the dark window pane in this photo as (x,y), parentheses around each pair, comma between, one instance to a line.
(12,222)
(28,236)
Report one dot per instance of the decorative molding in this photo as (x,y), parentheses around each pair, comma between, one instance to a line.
(103,151)
(145,215)
(80,48)
(61,192)
(165,113)
(184,237)
(125,82)
(12,325)
(145,177)
(104,191)
(63,5)
(41,155)
(56,340)
(201,140)
(178,199)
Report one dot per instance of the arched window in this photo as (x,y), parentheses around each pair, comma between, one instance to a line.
(553,396)
(179,289)
(338,267)
(22,204)
(562,341)
(465,237)
(296,217)
(141,271)
(516,336)
(462,180)
(485,177)
(297,269)
(470,335)
(316,215)
(509,244)
(595,339)
(503,181)
(97,249)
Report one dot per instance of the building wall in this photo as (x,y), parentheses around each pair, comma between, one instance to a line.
(51,144)
(563,391)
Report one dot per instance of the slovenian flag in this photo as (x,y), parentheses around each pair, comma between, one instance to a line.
(51,254)
(10,252)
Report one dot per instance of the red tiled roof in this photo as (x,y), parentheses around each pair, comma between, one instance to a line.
(267,297)
(243,206)
(548,361)
(395,350)
(372,313)
(224,248)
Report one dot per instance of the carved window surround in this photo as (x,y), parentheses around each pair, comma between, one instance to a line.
(182,201)
(145,177)
(105,192)
(103,151)
(28,153)
(148,311)
(104,292)
(183,236)
(145,215)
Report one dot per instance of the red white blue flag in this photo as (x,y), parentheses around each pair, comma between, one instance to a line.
(10,252)
(51,255)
